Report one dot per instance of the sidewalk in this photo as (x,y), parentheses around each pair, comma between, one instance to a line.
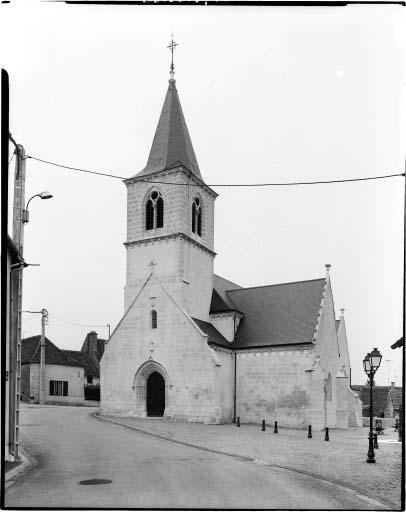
(343,458)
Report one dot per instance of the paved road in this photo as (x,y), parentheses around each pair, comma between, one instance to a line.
(70,446)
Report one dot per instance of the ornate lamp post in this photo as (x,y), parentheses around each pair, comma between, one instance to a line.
(371,363)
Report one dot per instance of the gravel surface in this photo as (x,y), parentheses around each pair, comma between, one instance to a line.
(342,458)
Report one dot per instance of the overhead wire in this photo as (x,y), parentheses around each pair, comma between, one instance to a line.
(272,184)
(75,323)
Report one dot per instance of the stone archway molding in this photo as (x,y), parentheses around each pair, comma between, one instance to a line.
(140,385)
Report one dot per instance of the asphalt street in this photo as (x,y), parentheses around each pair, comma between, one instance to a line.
(71,446)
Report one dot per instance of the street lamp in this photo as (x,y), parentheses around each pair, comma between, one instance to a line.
(371,363)
(42,195)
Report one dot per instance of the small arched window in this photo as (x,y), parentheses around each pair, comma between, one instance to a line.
(154,211)
(154,319)
(197,216)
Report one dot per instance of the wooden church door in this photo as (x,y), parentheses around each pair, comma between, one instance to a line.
(155,395)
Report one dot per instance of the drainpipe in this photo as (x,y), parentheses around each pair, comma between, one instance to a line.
(235,386)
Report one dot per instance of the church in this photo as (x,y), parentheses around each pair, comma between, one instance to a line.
(193,346)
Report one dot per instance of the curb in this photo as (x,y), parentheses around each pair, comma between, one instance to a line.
(28,462)
(385,502)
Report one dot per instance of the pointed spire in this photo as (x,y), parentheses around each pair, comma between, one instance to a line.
(172,146)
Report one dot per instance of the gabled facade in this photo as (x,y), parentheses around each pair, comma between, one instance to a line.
(194,346)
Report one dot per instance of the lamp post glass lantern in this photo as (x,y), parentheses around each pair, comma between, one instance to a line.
(371,363)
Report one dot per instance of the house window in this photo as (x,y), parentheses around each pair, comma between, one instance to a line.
(90,379)
(197,216)
(154,319)
(154,211)
(58,387)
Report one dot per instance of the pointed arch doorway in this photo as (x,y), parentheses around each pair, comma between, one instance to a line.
(155,395)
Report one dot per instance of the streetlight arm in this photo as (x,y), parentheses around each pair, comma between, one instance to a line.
(29,200)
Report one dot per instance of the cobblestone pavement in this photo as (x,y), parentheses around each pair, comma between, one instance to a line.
(342,458)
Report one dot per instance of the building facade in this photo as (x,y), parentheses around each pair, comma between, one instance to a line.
(64,375)
(194,346)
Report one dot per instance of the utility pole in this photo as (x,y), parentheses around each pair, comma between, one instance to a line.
(17,284)
(44,317)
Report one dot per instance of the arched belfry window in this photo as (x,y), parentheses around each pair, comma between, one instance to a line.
(197,216)
(154,211)
(154,319)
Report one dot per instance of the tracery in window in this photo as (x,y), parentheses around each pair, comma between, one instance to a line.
(197,216)
(154,211)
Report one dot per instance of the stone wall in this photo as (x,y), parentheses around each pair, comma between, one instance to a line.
(225,383)
(179,351)
(273,385)
(184,259)
(225,323)
(74,375)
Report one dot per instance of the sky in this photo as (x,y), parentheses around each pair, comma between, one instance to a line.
(270,94)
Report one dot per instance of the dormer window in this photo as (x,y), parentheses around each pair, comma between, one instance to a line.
(154,211)
(154,319)
(197,216)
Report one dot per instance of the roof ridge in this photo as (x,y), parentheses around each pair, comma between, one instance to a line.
(277,284)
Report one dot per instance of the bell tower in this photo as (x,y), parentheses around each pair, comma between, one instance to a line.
(170,216)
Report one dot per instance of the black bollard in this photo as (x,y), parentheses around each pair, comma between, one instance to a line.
(376,446)
(275,430)
(309,435)
(238,421)
(263,426)
(326,437)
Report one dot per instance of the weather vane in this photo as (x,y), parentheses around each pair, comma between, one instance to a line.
(172,46)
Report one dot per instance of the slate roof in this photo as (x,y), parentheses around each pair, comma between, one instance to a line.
(215,337)
(398,343)
(220,301)
(30,352)
(84,360)
(281,314)
(381,397)
(172,145)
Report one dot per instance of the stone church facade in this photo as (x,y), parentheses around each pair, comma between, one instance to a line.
(194,346)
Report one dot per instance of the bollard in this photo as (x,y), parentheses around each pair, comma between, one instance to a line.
(263,426)
(326,437)
(309,435)
(238,421)
(275,430)
(376,446)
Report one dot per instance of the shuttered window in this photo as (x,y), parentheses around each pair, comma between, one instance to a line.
(58,387)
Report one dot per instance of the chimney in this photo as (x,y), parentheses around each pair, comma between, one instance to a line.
(92,345)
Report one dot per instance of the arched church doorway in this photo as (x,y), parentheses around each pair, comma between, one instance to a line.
(155,395)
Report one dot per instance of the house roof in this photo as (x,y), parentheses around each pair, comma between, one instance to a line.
(215,338)
(220,301)
(398,343)
(281,314)
(172,145)
(30,352)
(84,360)
(381,397)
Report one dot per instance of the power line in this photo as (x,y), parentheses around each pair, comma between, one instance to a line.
(12,156)
(75,323)
(284,184)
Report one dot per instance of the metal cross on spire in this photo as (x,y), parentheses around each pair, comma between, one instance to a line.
(172,46)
